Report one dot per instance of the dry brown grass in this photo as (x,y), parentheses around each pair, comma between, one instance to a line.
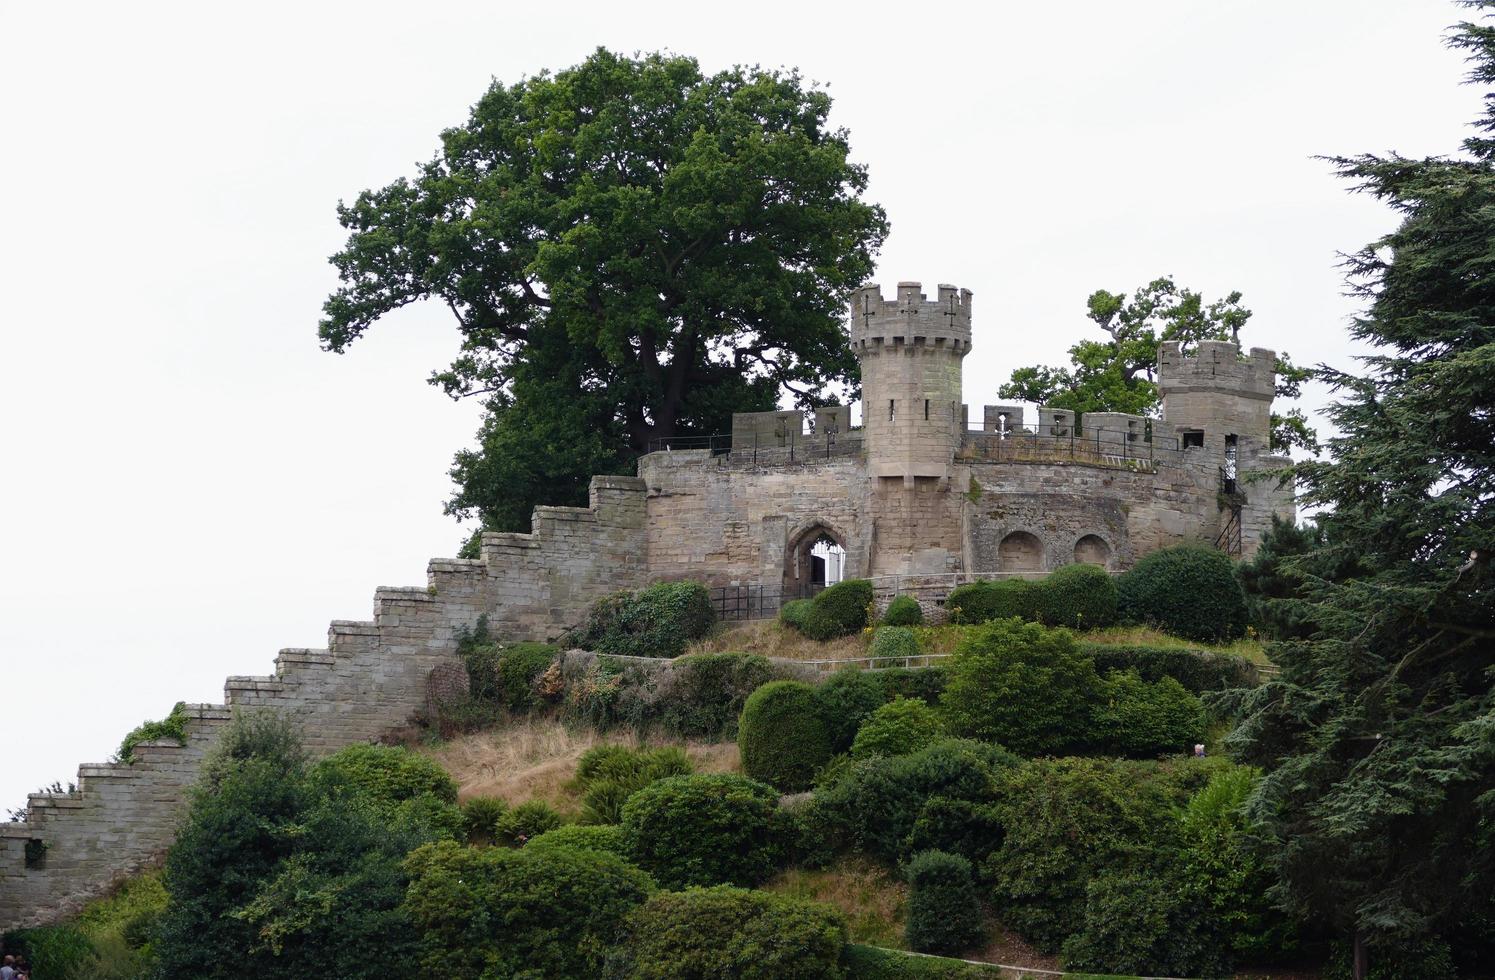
(535,759)
(873,900)
(771,638)
(1248,647)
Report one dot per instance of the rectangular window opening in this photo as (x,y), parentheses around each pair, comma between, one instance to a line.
(926,409)
(890,409)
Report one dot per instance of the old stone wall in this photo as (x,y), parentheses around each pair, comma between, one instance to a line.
(370,678)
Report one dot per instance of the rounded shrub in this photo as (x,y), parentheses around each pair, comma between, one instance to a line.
(795,612)
(782,737)
(553,912)
(1147,923)
(706,933)
(984,601)
(480,816)
(1188,591)
(608,839)
(526,821)
(893,642)
(706,829)
(610,774)
(840,610)
(702,696)
(900,727)
(971,829)
(1079,596)
(517,668)
(1023,686)
(845,699)
(386,775)
(944,912)
(904,610)
(659,621)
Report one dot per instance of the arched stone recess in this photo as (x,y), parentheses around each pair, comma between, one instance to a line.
(1021,553)
(803,572)
(1093,549)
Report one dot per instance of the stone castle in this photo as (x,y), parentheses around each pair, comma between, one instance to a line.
(919,498)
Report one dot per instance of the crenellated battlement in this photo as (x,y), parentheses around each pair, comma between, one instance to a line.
(1217,366)
(911,319)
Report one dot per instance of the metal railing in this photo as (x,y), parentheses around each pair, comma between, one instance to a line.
(739,603)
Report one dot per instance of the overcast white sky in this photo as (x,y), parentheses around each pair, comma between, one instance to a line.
(189,484)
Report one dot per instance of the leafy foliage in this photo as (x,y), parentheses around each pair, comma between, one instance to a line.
(705,933)
(892,642)
(525,822)
(1078,596)
(659,621)
(944,912)
(900,727)
(1147,922)
(580,838)
(876,963)
(705,830)
(1142,719)
(173,726)
(840,610)
(480,817)
(1187,590)
(610,774)
(1022,686)
(491,912)
(983,601)
(845,699)
(904,610)
(782,736)
(703,695)
(1197,670)
(1116,375)
(632,249)
(1377,739)
(965,827)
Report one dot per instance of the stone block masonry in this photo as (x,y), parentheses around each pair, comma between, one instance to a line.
(370,678)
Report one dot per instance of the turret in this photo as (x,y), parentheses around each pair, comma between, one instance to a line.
(910,349)
(1215,398)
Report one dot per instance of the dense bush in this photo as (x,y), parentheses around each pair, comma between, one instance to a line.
(53,951)
(480,817)
(1023,686)
(782,736)
(904,610)
(876,963)
(1197,670)
(659,621)
(525,822)
(845,699)
(1078,596)
(121,929)
(1188,591)
(872,804)
(1065,822)
(705,830)
(387,776)
(893,642)
(900,727)
(924,683)
(944,912)
(1140,719)
(840,610)
(965,827)
(580,838)
(702,696)
(1147,922)
(491,912)
(518,667)
(610,774)
(173,726)
(1227,868)
(796,613)
(708,933)
(986,600)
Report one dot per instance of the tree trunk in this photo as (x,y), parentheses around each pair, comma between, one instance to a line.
(1361,957)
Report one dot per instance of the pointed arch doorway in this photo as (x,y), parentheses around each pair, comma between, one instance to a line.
(815,559)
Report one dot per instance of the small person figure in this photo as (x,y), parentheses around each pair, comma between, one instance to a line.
(1199,750)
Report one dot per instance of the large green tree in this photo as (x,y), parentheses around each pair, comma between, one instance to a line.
(1378,740)
(633,249)
(1117,374)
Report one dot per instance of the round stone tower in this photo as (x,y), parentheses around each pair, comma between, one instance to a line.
(910,349)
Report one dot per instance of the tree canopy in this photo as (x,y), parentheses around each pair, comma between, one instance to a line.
(632,249)
(1378,739)
(1117,374)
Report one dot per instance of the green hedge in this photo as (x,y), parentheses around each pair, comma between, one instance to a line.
(517,667)
(782,736)
(706,829)
(944,912)
(710,933)
(900,727)
(981,602)
(840,610)
(1196,670)
(1142,719)
(1078,596)
(1188,591)
(904,610)
(875,963)
(173,726)
(659,621)
(893,641)
(575,837)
